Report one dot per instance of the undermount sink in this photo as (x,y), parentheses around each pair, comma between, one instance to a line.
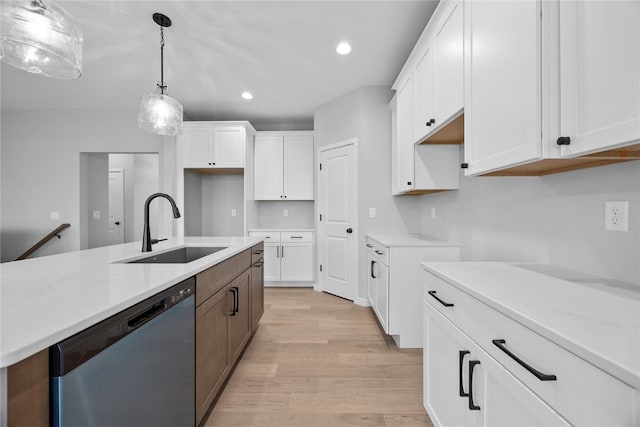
(179,256)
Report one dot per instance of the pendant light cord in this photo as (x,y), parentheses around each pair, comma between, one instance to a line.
(162,86)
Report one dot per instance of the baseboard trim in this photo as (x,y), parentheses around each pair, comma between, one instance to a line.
(362,302)
(289,284)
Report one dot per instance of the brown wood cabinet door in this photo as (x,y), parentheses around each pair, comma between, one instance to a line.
(257,294)
(240,322)
(212,350)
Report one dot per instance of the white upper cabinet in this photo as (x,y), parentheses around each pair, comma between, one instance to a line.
(550,86)
(448,46)
(502,120)
(298,167)
(268,167)
(428,99)
(212,145)
(403,170)
(436,69)
(283,166)
(599,74)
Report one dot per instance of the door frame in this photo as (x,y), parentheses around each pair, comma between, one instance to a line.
(124,203)
(318,285)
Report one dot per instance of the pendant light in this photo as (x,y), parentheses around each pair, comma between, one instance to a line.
(159,113)
(41,37)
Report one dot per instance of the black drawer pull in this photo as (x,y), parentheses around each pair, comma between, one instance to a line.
(236,307)
(235,299)
(258,252)
(446,304)
(369,246)
(539,375)
(372,275)
(461,355)
(379,252)
(472,365)
(296,237)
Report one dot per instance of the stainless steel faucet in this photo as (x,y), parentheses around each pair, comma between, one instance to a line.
(146,234)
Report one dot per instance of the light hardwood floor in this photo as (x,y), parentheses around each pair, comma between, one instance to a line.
(318,360)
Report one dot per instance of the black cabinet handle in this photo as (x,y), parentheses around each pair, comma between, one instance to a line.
(472,365)
(117,223)
(461,355)
(372,275)
(369,246)
(277,251)
(464,165)
(379,252)
(428,123)
(349,230)
(236,307)
(563,140)
(281,251)
(408,182)
(539,375)
(446,304)
(233,310)
(258,252)
(296,237)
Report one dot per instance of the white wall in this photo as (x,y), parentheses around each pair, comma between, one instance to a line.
(221,194)
(270,214)
(41,169)
(97,200)
(364,114)
(192,211)
(556,219)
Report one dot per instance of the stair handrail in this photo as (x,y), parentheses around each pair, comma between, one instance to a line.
(44,240)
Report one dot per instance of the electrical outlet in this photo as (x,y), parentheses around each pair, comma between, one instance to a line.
(433,212)
(54,215)
(372,212)
(233,212)
(286,212)
(96,214)
(616,215)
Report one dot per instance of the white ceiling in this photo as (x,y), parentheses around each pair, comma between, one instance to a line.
(281,51)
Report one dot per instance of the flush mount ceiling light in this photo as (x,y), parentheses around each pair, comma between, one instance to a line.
(41,37)
(246,95)
(159,113)
(343,48)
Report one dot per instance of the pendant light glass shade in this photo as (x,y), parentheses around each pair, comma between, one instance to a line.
(40,37)
(160,114)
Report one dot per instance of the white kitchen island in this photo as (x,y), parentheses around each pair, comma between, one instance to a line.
(46,300)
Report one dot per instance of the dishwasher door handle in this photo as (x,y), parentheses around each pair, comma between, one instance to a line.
(146,315)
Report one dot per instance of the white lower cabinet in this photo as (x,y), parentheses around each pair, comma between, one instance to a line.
(288,255)
(464,386)
(394,282)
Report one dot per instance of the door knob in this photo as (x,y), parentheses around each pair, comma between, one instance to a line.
(117,223)
(349,230)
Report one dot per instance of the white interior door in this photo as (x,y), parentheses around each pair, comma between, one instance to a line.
(116,206)
(337,228)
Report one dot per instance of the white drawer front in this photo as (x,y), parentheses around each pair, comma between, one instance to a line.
(297,236)
(582,393)
(268,236)
(381,252)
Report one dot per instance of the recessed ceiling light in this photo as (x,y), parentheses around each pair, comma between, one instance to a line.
(246,95)
(344,48)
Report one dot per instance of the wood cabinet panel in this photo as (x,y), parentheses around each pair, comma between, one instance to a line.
(240,321)
(28,392)
(257,294)
(212,355)
(257,253)
(214,279)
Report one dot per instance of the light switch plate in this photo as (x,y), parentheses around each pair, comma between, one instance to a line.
(54,215)
(96,214)
(286,212)
(372,212)
(233,212)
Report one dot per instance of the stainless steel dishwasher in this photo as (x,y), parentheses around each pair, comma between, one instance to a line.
(134,369)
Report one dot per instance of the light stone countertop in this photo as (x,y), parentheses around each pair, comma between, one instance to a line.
(48,299)
(594,318)
(416,240)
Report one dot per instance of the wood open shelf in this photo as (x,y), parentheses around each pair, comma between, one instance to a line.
(452,133)
(218,171)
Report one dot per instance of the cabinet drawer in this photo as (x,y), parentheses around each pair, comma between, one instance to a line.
(257,253)
(379,251)
(268,236)
(296,236)
(217,277)
(582,393)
